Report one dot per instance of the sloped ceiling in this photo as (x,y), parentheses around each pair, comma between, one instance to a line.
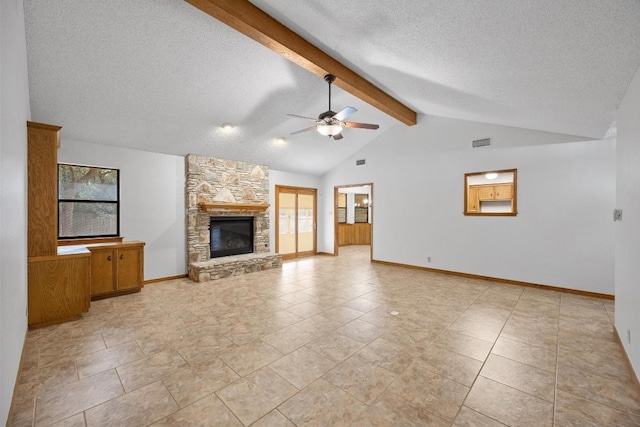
(162,76)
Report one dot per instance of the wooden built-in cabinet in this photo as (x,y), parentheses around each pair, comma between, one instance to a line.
(487,193)
(57,286)
(472,199)
(116,269)
(62,280)
(42,189)
(495,192)
(354,234)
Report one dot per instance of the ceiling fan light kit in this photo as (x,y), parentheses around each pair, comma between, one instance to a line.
(331,123)
(329,130)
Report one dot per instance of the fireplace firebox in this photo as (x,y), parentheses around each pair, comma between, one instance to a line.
(230,235)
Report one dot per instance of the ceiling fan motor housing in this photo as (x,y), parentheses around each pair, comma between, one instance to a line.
(326,115)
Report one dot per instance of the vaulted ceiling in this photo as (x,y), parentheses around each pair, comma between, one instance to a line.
(162,76)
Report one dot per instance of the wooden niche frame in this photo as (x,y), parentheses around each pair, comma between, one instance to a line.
(492,194)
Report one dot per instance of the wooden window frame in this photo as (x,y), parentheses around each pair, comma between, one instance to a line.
(469,211)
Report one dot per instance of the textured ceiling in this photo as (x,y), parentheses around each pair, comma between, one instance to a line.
(160,75)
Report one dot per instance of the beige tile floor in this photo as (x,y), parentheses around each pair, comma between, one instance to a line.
(316,344)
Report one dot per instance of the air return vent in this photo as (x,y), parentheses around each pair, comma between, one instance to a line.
(360,162)
(481,142)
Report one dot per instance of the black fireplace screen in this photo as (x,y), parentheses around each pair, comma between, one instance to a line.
(230,235)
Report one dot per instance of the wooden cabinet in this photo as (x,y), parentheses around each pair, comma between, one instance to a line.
(58,288)
(503,192)
(354,234)
(472,199)
(486,192)
(483,195)
(116,268)
(42,170)
(494,192)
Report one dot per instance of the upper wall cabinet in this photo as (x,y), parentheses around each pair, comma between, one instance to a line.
(491,193)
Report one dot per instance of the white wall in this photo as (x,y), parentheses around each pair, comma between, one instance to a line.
(152,204)
(562,236)
(293,180)
(627,250)
(14,112)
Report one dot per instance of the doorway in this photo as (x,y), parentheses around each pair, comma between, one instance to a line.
(296,208)
(353,216)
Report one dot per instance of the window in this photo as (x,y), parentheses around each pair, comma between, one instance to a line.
(361,208)
(342,208)
(88,202)
(491,193)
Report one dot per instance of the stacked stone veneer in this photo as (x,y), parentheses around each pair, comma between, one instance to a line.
(218,180)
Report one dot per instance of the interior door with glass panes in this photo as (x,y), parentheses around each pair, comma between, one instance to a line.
(296,225)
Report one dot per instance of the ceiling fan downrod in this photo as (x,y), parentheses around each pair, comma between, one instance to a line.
(329,78)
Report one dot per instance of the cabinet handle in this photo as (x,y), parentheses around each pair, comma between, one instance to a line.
(121,256)
(109,258)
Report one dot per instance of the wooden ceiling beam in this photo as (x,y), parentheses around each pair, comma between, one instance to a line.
(253,22)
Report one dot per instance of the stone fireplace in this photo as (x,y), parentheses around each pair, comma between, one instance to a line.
(218,188)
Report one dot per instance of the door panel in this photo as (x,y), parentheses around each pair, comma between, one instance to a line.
(102,266)
(287,223)
(128,267)
(296,225)
(306,216)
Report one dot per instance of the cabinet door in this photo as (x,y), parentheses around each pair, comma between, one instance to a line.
(129,260)
(486,192)
(102,271)
(472,199)
(504,192)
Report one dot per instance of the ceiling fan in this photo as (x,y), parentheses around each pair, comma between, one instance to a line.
(331,123)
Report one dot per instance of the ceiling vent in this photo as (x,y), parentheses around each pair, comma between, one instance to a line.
(360,162)
(481,142)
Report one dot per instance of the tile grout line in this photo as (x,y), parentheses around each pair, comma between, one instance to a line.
(600,376)
(490,350)
(396,298)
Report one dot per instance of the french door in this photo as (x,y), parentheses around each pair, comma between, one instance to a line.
(296,223)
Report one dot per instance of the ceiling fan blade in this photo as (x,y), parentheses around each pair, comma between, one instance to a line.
(302,117)
(305,130)
(344,113)
(337,136)
(360,125)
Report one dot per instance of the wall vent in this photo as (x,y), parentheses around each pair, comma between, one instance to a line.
(360,162)
(481,142)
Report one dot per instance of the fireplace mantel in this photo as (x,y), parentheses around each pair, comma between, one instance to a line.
(225,207)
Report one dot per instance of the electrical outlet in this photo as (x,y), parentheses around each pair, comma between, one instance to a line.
(617,215)
(428,259)
(629,336)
